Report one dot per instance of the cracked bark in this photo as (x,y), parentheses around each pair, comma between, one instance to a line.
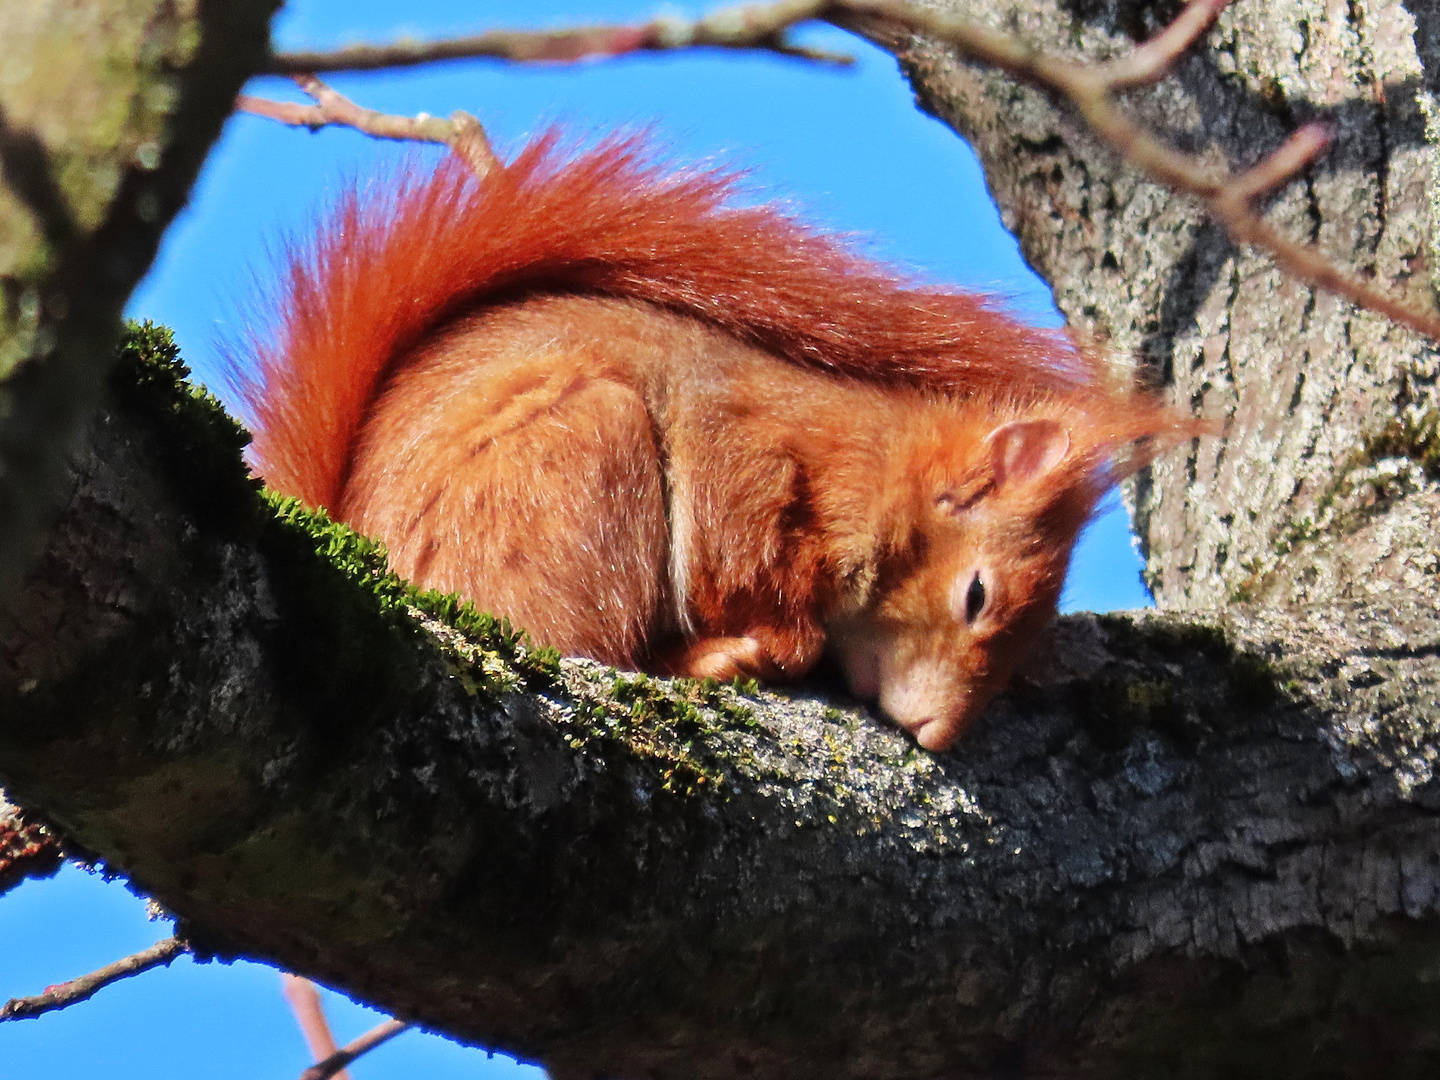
(1195,843)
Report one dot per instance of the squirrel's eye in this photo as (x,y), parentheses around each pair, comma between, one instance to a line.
(974,599)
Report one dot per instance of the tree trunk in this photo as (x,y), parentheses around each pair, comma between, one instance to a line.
(1195,843)
(107,109)
(1327,470)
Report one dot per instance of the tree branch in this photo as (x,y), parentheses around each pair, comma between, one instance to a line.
(462,132)
(334,1064)
(76,990)
(1152,61)
(330,1060)
(742,28)
(1091,88)
(304,998)
(75,244)
(625,876)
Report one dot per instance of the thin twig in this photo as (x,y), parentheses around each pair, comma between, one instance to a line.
(1088,86)
(749,27)
(304,998)
(68,993)
(380,1033)
(334,108)
(461,132)
(1091,88)
(472,144)
(422,128)
(1152,61)
(1302,148)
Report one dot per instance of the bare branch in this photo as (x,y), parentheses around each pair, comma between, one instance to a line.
(304,998)
(1090,87)
(461,132)
(472,144)
(1153,60)
(68,993)
(1299,150)
(332,107)
(748,27)
(331,1066)
(330,1061)
(421,128)
(1308,263)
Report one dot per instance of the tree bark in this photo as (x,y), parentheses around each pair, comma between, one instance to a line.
(1332,410)
(107,109)
(1174,847)
(1201,842)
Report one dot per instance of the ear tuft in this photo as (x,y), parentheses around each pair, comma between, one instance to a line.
(1026,449)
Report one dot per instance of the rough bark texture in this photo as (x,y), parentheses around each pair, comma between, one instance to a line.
(1201,843)
(1333,410)
(107,108)
(1178,848)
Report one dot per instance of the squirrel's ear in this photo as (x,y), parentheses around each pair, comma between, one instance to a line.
(1026,449)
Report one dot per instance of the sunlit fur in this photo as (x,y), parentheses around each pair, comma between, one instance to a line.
(664,432)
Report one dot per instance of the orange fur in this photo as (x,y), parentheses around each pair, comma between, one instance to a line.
(666,432)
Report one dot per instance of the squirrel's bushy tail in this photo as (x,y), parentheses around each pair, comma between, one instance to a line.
(389,267)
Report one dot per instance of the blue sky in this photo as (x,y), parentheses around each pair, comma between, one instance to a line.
(846,149)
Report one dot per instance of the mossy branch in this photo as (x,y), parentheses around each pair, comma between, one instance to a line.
(311,763)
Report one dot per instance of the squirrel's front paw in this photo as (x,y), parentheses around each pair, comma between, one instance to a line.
(723,659)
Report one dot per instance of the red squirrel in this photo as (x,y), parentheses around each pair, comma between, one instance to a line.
(672,433)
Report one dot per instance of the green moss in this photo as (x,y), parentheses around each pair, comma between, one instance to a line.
(1351,500)
(1299,532)
(1416,437)
(347,613)
(675,724)
(734,712)
(686,726)
(204,457)
(203,444)
(343,610)
(1410,436)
